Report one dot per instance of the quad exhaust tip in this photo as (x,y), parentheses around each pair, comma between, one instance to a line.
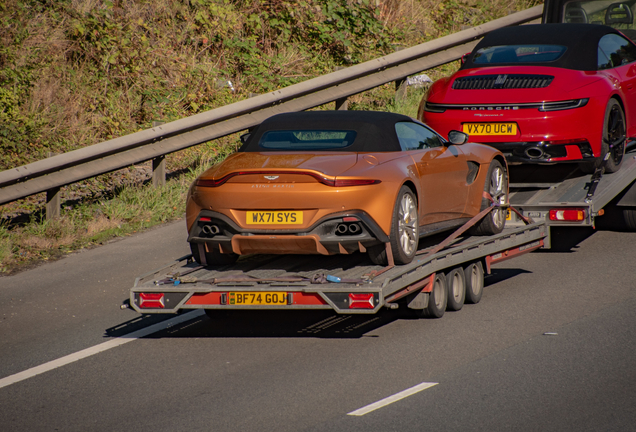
(210,229)
(348,229)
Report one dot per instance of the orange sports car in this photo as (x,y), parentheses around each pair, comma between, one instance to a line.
(338,182)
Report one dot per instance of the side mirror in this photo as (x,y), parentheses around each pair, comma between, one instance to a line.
(245,137)
(464,58)
(457,137)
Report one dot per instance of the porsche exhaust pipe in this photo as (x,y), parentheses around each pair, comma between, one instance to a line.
(534,152)
(210,229)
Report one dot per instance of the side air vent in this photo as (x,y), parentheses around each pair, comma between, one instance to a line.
(487,82)
(473,169)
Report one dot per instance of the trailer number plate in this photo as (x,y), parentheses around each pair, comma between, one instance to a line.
(247,298)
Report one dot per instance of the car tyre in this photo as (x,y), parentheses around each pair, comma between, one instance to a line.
(497,186)
(613,130)
(404,236)
(212,258)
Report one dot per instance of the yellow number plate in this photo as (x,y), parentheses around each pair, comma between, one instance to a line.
(274,217)
(490,128)
(257,298)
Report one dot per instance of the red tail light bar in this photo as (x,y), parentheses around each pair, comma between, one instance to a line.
(324,180)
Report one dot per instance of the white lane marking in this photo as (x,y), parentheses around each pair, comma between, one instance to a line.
(389,400)
(63,361)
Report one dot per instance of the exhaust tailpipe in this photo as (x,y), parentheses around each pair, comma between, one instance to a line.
(354,228)
(210,229)
(533,152)
(342,229)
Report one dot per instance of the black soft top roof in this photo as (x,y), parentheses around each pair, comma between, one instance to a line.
(375,130)
(581,41)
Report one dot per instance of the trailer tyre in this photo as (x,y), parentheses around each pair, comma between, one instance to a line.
(497,186)
(212,258)
(474,277)
(629,215)
(456,285)
(437,299)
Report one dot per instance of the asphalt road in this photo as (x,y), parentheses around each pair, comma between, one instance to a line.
(551,347)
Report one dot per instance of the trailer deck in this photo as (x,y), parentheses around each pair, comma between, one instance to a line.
(536,190)
(344,283)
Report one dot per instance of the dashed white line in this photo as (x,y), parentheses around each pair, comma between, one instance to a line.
(63,361)
(389,400)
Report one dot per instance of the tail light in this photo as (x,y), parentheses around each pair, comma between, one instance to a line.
(361,301)
(151,301)
(324,180)
(568,215)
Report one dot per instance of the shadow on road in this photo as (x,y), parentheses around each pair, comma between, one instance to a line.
(220,323)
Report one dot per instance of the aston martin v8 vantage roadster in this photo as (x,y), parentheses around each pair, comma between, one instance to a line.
(339,182)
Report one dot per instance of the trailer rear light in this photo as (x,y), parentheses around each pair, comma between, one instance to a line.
(151,300)
(361,301)
(569,215)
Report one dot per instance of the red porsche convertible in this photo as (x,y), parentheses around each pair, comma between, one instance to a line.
(543,94)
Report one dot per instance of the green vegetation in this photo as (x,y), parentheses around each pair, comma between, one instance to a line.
(77,72)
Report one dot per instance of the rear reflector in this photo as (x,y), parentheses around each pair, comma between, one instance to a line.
(350,219)
(570,215)
(205,219)
(151,301)
(361,301)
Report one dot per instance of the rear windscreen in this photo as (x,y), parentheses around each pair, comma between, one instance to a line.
(518,54)
(306,139)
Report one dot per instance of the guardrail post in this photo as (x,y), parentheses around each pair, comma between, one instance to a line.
(53,198)
(158,165)
(342,104)
(53,201)
(159,171)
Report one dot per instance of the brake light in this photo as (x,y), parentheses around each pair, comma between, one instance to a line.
(361,301)
(324,180)
(569,215)
(151,301)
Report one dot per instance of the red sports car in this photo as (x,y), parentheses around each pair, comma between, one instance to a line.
(543,94)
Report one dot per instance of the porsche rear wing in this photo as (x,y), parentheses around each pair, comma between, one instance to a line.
(561,195)
(344,283)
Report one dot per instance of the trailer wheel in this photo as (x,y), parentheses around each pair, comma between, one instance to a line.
(629,215)
(497,186)
(456,285)
(437,299)
(212,258)
(404,231)
(474,276)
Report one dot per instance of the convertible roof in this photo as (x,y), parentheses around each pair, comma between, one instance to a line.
(581,41)
(375,130)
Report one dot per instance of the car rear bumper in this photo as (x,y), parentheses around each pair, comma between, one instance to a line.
(326,237)
(545,152)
